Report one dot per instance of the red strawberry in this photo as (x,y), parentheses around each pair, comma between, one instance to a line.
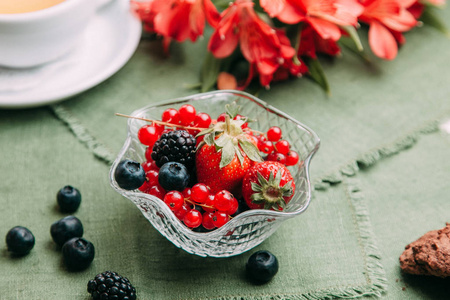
(209,172)
(225,155)
(268,185)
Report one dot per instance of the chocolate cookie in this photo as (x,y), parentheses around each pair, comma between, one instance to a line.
(429,255)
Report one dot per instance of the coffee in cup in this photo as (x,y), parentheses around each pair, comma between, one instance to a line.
(25,6)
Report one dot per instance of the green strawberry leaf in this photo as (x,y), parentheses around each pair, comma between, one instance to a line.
(227,154)
(232,109)
(255,187)
(239,154)
(250,150)
(209,139)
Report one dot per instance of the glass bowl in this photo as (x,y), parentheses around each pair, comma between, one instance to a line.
(247,229)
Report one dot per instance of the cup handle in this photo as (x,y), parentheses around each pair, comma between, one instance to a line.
(100,3)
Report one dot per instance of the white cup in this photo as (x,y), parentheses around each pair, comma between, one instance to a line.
(35,38)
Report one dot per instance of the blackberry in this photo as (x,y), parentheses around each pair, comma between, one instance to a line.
(175,146)
(110,285)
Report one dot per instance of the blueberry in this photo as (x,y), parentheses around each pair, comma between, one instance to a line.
(69,199)
(65,229)
(78,254)
(262,266)
(129,174)
(173,176)
(19,240)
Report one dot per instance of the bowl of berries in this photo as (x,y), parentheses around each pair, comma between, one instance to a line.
(215,173)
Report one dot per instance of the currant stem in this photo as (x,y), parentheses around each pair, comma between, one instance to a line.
(199,204)
(162,123)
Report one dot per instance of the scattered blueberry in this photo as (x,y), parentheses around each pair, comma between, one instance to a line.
(173,176)
(65,229)
(78,254)
(110,285)
(262,266)
(129,174)
(69,199)
(19,240)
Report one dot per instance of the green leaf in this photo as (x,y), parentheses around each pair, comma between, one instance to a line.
(239,154)
(255,187)
(354,37)
(209,139)
(429,18)
(350,45)
(227,154)
(317,74)
(232,109)
(222,140)
(251,150)
(210,71)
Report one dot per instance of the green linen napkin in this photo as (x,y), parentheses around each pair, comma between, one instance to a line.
(407,196)
(329,250)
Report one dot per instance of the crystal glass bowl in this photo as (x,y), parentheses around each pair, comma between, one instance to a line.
(249,228)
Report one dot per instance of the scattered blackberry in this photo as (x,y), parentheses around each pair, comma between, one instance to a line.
(110,285)
(177,146)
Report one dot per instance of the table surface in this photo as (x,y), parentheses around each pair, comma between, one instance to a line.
(381,177)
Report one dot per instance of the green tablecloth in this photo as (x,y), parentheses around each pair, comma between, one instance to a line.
(381,178)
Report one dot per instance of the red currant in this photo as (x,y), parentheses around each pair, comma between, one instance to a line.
(222,117)
(223,200)
(148,154)
(233,208)
(144,188)
(220,219)
(148,135)
(149,165)
(277,156)
(159,128)
(152,177)
(209,204)
(202,120)
(171,115)
(187,114)
(274,133)
(292,158)
(186,192)
(200,192)
(157,191)
(282,146)
(174,199)
(193,218)
(180,213)
(207,220)
(266,147)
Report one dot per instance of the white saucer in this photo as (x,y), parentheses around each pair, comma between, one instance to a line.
(108,43)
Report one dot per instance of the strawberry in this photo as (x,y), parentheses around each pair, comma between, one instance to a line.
(225,155)
(268,185)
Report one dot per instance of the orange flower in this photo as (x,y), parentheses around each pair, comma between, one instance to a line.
(325,16)
(176,19)
(261,45)
(387,20)
(311,44)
